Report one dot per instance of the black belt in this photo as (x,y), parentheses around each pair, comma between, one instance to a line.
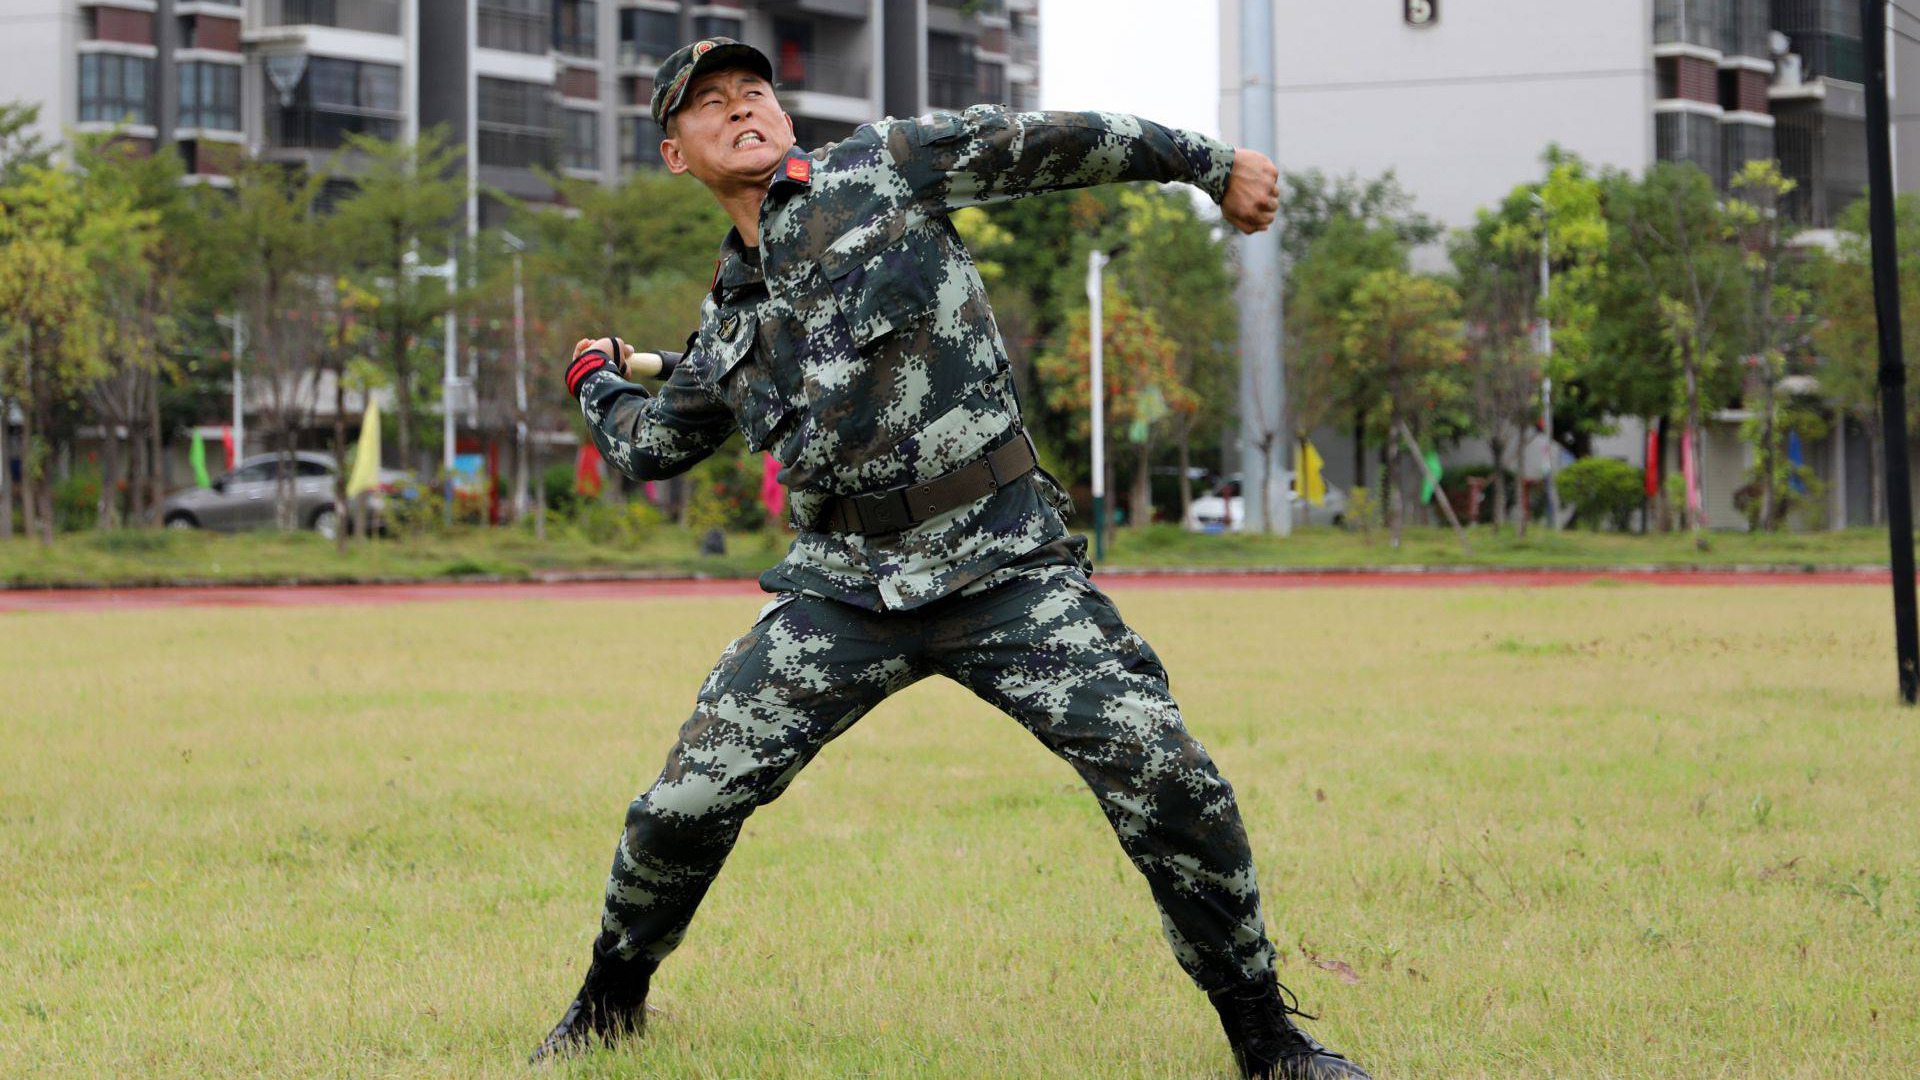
(900,508)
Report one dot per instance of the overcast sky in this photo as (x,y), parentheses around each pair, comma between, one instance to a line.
(1153,58)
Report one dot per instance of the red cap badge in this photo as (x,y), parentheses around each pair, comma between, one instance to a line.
(799,169)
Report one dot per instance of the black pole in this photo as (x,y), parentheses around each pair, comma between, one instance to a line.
(1893,365)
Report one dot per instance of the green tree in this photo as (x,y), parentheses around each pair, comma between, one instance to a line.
(1674,231)
(20,144)
(1408,327)
(1776,301)
(1144,395)
(58,243)
(405,212)
(1325,377)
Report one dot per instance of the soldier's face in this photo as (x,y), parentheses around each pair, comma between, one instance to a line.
(729,128)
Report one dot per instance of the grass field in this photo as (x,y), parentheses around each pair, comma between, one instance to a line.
(151,556)
(1587,832)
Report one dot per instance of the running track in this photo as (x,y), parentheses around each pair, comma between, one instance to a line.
(110,599)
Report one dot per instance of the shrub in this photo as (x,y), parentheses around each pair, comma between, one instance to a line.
(603,523)
(1602,490)
(76,501)
(726,493)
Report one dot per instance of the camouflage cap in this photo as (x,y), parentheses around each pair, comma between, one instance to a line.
(678,71)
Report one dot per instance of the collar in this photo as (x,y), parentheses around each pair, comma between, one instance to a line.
(795,172)
(734,269)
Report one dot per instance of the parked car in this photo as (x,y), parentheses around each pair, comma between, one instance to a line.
(244,498)
(1225,509)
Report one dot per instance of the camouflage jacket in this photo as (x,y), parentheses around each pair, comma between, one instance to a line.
(856,344)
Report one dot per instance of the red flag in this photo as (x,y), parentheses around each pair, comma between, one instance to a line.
(586,471)
(226,443)
(772,495)
(1653,462)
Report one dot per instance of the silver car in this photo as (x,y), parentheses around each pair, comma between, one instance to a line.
(244,498)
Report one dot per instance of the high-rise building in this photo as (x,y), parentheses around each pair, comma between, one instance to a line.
(524,85)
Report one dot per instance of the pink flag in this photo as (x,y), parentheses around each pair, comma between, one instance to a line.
(1653,461)
(772,495)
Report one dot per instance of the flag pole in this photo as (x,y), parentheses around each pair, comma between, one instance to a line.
(1893,365)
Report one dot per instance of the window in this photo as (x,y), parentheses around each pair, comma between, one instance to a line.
(648,35)
(576,27)
(513,123)
(351,84)
(639,142)
(711,26)
(316,102)
(993,83)
(951,81)
(116,88)
(302,467)
(583,139)
(210,96)
(522,26)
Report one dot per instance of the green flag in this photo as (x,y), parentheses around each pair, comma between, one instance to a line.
(1433,476)
(198,455)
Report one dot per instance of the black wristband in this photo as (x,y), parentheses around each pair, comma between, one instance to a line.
(584,365)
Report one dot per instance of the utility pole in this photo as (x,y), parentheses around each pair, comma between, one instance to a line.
(239,329)
(1097,261)
(1264,445)
(1893,364)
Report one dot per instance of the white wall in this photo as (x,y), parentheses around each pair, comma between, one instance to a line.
(37,61)
(1460,110)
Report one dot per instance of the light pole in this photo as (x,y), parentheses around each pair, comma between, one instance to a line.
(1097,261)
(450,380)
(1546,359)
(520,464)
(1265,445)
(239,329)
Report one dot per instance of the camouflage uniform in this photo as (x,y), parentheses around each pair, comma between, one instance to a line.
(857,346)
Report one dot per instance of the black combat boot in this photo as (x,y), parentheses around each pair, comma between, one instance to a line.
(1267,1045)
(611,1005)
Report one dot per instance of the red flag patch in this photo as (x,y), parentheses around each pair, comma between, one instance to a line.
(799,169)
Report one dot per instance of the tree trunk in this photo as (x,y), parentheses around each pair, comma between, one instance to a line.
(1768,462)
(1143,488)
(539,493)
(6,471)
(340,529)
(1391,486)
(403,398)
(107,506)
(156,454)
(1693,517)
(1498,447)
(1183,450)
(1877,469)
(1359,450)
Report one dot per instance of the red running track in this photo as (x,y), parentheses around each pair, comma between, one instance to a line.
(111,599)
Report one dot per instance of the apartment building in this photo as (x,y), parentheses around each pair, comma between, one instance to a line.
(524,85)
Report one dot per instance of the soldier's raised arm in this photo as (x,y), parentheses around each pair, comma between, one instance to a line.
(990,153)
(647,436)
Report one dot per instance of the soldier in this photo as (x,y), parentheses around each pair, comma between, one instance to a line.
(848,333)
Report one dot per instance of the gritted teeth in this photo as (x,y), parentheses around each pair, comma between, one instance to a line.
(746,137)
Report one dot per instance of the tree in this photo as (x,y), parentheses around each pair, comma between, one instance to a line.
(1677,235)
(1775,303)
(406,211)
(58,242)
(275,264)
(1846,334)
(1311,202)
(1144,394)
(1175,268)
(20,145)
(1323,374)
(1409,326)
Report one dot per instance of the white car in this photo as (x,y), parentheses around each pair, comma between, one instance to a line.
(1225,509)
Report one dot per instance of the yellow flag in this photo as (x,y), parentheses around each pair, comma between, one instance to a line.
(1313,483)
(366,457)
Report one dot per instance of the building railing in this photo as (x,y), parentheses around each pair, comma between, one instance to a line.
(321,129)
(1689,22)
(820,73)
(372,16)
(952,90)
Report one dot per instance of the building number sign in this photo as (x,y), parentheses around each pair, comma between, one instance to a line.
(1423,12)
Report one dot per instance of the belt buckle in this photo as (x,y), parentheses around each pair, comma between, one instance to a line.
(888,513)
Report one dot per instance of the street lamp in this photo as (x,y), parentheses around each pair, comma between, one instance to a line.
(519,379)
(1546,360)
(450,379)
(1096,262)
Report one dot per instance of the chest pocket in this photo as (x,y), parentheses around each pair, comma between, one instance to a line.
(740,373)
(881,292)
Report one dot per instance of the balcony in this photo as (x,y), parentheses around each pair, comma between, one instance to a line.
(819,73)
(323,129)
(370,16)
(1690,22)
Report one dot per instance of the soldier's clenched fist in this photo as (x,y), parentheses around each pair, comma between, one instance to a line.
(1253,191)
(591,356)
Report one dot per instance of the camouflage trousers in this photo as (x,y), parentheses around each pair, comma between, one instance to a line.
(1047,647)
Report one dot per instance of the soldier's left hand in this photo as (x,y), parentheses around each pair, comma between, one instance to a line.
(1253,191)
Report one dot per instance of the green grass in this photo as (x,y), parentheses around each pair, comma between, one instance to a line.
(1580,833)
(156,557)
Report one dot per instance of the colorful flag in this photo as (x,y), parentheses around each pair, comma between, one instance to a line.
(772,495)
(1653,462)
(198,455)
(366,454)
(1432,479)
(1797,457)
(226,442)
(1313,479)
(586,471)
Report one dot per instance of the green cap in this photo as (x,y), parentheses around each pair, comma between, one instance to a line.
(670,82)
